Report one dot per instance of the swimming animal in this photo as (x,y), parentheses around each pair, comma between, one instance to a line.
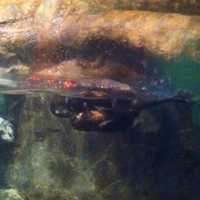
(96,111)
(99,104)
(94,104)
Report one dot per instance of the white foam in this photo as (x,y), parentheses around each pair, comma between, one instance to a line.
(7,83)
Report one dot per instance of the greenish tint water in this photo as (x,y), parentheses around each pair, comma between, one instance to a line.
(183,75)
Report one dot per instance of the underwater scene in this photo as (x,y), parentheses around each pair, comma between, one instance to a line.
(99,100)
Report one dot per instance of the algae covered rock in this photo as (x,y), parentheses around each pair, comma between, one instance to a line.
(53,161)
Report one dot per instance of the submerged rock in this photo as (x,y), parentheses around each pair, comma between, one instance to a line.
(54,161)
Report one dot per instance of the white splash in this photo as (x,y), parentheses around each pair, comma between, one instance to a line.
(6,130)
(7,83)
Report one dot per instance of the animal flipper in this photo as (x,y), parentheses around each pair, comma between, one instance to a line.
(181,97)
